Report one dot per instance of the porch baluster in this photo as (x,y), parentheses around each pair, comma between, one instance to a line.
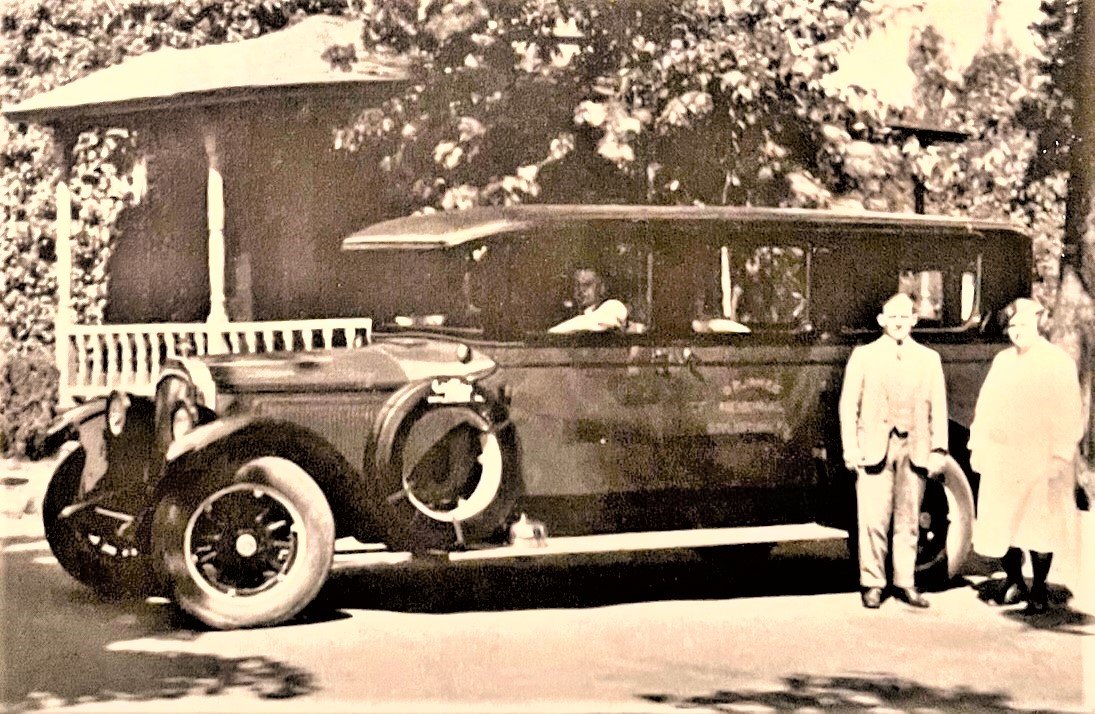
(97,360)
(81,360)
(155,358)
(112,368)
(144,375)
(125,376)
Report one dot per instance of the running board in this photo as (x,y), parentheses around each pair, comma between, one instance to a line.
(659,540)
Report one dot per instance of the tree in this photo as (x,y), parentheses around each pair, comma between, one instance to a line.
(694,101)
(726,102)
(1074,312)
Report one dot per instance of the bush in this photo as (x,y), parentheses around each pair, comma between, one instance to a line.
(28,400)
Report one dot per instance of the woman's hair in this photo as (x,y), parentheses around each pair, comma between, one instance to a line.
(1025,306)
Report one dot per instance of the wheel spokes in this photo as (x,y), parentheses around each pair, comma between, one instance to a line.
(242,540)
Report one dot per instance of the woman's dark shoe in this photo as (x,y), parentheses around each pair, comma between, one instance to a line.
(1013,594)
(1038,602)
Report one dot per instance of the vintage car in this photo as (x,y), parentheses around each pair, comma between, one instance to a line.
(702,413)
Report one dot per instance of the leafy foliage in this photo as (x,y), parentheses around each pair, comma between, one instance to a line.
(587,100)
(28,393)
(715,102)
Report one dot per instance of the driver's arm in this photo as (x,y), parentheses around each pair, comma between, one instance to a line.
(609,315)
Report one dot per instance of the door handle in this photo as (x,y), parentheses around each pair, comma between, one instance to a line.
(692,362)
(661,359)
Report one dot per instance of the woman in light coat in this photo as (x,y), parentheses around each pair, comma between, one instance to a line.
(1023,440)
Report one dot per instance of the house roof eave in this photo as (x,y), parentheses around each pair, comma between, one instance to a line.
(288,62)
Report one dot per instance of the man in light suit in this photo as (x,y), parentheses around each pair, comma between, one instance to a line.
(893,428)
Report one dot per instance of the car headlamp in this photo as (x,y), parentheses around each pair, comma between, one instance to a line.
(182,422)
(117,407)
(463,353)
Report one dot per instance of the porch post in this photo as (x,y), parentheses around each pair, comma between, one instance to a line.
(64,319)
(214,196)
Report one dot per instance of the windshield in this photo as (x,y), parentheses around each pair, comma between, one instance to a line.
(437,291)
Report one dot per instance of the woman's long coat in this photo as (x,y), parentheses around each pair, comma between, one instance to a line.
(1028,411)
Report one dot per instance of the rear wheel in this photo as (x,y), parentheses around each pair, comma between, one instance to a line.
(252,545)
(94,542)
(946,527)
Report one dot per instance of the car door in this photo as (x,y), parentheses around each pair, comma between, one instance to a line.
(589,406)
(745,377)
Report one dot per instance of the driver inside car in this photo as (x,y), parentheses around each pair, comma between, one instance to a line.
(597,314)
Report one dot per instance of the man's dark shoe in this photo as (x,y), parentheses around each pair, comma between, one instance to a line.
(912,597)
(872,598)
(1014,594)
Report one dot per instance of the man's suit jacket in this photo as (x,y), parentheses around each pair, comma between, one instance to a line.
(865,422)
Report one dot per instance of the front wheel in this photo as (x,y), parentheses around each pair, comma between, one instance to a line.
(94,543)
(251,546)
(946,527)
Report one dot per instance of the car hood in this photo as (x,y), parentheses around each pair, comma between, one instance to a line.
(386,364)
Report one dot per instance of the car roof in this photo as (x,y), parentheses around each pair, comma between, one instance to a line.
(448,229)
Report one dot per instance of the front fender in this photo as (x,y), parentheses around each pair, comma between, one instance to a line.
(211,446)
(67,426)
(207,434)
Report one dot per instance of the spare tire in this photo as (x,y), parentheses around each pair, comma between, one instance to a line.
(444,472)
(946,527)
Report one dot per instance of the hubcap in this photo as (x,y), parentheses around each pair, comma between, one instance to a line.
(243,540)
(247,545)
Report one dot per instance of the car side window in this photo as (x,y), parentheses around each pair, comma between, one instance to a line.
(944,298)
(574,278)
(751,287)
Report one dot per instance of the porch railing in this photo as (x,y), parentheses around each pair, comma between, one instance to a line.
(95,359)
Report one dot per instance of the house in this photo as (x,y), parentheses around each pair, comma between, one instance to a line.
(237,245)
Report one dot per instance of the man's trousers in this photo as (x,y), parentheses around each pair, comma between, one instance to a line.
(892,494)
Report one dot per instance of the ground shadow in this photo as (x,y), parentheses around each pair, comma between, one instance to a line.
(1059,617)
(716,573)
(58,647)
(844,693)
(145,677)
